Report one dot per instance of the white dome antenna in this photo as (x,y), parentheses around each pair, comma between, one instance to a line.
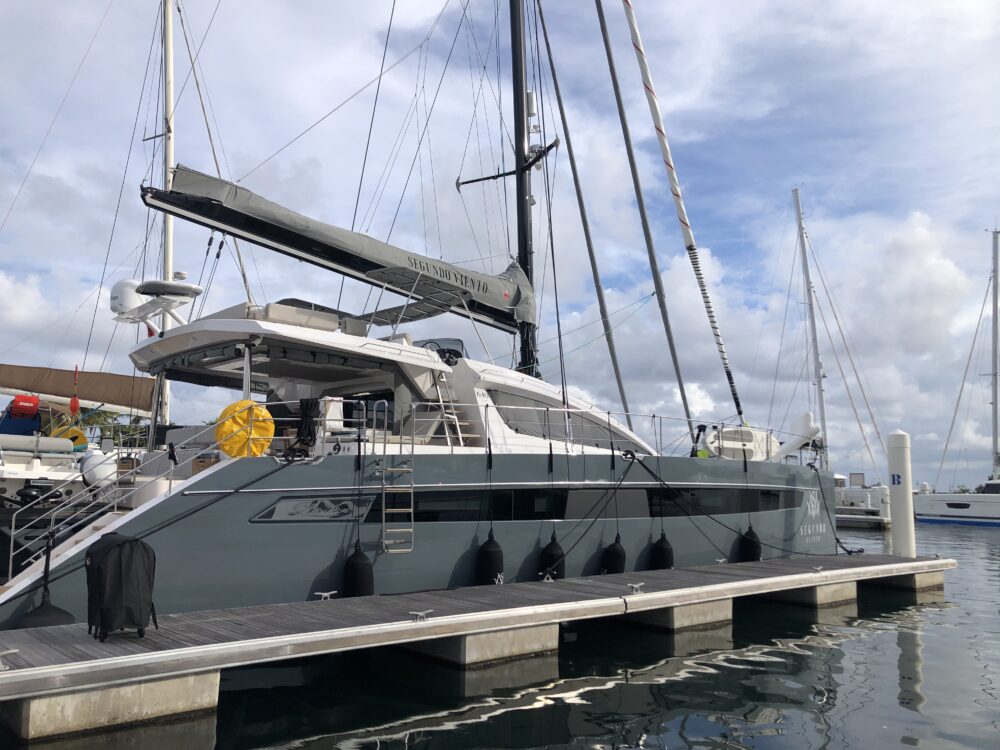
(135,301)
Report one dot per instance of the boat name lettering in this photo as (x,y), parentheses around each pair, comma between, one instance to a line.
(450,275)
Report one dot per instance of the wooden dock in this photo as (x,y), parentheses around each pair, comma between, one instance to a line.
(57,672)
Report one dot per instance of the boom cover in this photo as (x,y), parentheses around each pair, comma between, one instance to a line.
(501,301)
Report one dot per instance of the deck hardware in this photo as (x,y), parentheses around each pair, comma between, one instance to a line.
(721,560)
(8,652)
(421,615)
(547,578)
(635,588)
(324,595)
(818,568)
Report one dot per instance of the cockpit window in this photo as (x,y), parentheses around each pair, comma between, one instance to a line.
(528,416)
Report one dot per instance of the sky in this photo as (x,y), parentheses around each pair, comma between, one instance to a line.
(885,116)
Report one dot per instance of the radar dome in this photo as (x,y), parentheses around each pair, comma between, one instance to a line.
(124,297)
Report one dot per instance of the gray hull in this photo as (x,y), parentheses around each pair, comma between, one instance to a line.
(220,542)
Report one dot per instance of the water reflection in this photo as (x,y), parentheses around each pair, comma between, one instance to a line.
(892,670)
(774,675)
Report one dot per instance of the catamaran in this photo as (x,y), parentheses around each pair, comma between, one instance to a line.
(355,461)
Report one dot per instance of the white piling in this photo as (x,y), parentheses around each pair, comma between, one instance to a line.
(904,542)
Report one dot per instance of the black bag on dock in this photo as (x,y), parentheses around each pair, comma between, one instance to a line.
(120,572)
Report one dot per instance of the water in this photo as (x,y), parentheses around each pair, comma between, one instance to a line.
(893,671)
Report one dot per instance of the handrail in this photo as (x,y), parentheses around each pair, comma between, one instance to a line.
(611,427)
(80,516)
(95,496)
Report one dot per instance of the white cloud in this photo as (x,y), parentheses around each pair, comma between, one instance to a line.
(885,114)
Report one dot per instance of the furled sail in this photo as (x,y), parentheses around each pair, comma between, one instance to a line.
(501,301)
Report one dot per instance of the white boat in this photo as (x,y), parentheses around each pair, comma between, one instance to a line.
(972,508)
(48,462)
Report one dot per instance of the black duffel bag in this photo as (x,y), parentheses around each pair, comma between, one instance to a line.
(120,573)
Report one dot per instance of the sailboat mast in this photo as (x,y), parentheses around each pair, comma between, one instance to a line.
(810,306)
(996,338)
(528,361)
(168,163)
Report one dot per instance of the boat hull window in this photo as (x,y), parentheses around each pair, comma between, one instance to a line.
(700,501)
(530,504)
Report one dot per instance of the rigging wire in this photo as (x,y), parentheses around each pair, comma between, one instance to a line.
(489,134)
(798,381)
(503,152)
(770,274)
(68,312)
(368,218)
(437,91)
(197,54)
(847,389)
(549,181)
(153,104)
(357,92)
(965,375)
(420,176)
(430,154)
(474,122)
(121,192)
(371,126)
(222,147)
(62,102)
(211,143)
(483,186)
(675,494)
(847,348)
(601,336)
(639,301)
(781,338)
(591,254)
(211,277)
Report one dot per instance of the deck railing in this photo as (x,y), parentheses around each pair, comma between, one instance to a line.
(63,519)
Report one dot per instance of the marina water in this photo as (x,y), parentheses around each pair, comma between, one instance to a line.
(896,670)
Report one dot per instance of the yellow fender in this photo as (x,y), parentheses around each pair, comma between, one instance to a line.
(244,429)
(73,434)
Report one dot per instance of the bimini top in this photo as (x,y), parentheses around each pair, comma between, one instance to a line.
(288,343)
(501,301)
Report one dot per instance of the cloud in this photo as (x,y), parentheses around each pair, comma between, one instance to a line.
(885,115)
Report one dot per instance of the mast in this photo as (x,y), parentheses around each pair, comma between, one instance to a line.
(528,361)
(168,163)
(810,297)
(996,338)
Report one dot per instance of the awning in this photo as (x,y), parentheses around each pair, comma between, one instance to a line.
(108,391)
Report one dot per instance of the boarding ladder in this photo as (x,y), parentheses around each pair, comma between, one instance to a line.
(397,507)
(397,491)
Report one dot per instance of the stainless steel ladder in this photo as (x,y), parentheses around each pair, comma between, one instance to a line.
(398,527)
(449,415)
